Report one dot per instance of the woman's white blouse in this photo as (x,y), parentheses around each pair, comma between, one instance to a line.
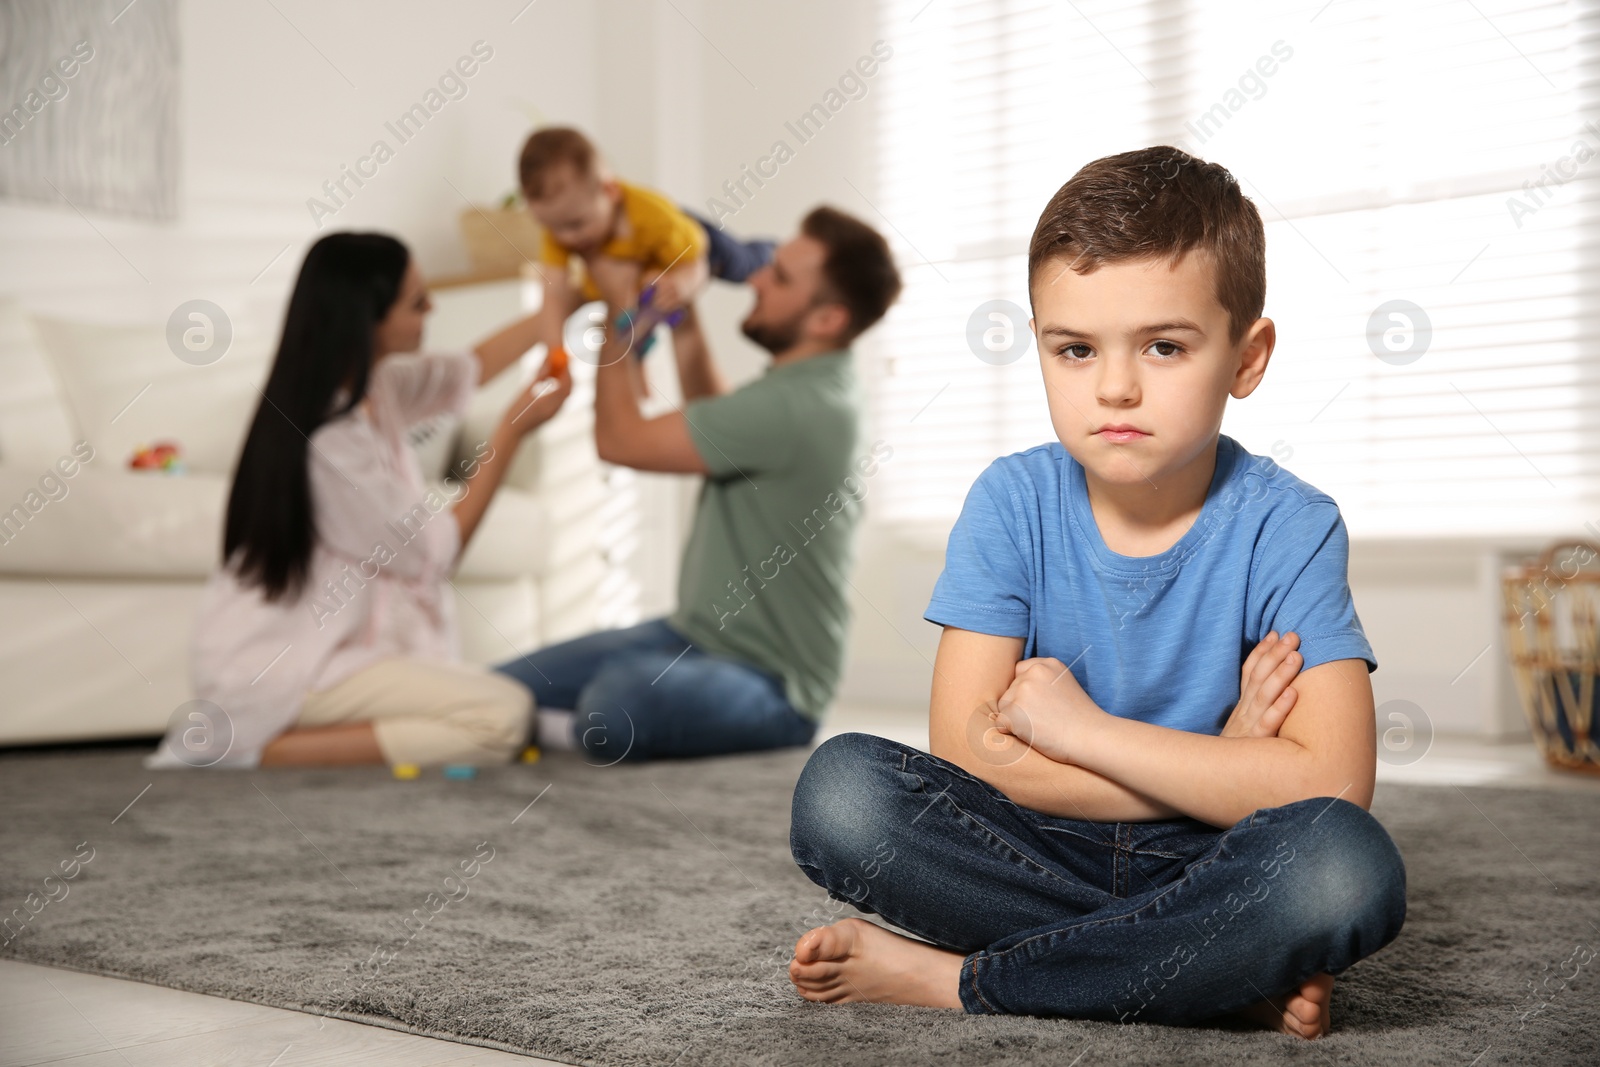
(376,588)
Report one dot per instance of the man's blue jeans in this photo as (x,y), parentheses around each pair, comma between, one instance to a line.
(1169,922)
(646,692)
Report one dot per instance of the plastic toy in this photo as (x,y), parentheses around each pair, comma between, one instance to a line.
(164,456)
(407,771)
(460,772)
(643,320)
(531,754)
(558,361)
(671,320)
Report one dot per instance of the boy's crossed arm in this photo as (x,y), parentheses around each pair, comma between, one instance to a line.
(1052,749)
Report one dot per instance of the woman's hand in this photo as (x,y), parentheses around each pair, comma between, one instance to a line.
(536,404)
(532,407)
(1265,695)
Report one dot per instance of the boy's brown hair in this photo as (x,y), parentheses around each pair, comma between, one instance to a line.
(859,271)
(550,148)
(1160,203)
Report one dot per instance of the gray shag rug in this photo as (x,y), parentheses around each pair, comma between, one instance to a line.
(643,915)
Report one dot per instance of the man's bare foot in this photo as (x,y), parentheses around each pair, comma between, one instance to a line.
(854,960)
(1303,1013)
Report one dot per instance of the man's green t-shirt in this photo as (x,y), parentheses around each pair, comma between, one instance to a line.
(766,573)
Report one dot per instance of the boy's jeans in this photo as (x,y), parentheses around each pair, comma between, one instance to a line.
(645,692)
(731,258)
(1169,922)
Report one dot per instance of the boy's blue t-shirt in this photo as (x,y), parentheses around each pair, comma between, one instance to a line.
(1156,638)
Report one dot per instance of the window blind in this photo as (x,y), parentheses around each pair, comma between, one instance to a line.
(1426,174)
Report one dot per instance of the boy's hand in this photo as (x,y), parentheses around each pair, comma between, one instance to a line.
(679,285)
(1265,695)
(1046,708)
(664,293)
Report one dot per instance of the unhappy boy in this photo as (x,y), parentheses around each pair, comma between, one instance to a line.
(1140,803)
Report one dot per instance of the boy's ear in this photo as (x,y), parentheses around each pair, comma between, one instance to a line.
(612,188)
(1255,350)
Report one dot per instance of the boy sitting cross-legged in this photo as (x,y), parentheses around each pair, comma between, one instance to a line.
(1128,811)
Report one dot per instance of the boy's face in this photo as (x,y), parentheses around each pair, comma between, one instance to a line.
(580,211)
(1138,343)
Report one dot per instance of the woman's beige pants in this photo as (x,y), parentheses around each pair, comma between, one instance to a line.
(429,712)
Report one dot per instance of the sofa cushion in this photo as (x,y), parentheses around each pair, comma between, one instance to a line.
(125,388)
(109,523)
(35,427)
(129,524)
(558,449)
(510,542)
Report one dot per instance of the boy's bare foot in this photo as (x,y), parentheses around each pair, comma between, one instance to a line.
(1303,1013)
(854,960)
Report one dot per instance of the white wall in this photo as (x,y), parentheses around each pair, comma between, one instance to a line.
(268,115)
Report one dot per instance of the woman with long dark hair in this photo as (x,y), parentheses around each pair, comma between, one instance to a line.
(328,636)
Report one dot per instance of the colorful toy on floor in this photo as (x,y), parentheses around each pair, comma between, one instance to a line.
(558,361)
(531,754)
(460,772)
(164,456)
(407,771)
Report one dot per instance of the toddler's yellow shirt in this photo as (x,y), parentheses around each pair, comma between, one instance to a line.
(661,236)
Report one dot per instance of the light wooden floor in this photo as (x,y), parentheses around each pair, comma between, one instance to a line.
(81,1020)
(62,1017)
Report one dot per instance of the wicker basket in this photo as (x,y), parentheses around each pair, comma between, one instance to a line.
(500,240)
(1552,623)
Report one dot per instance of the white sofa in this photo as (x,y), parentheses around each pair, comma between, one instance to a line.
(101,571)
